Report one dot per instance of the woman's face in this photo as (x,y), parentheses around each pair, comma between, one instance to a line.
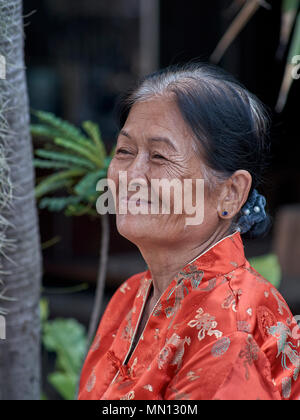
(155,143)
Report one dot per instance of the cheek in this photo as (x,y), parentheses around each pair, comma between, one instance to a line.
(113,172)
(210,209)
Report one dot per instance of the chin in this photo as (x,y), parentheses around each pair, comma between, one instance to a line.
(145,230)
(135,228)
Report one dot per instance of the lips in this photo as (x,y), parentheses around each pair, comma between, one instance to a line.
(138,202)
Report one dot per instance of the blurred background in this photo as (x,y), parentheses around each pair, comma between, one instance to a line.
(81,55)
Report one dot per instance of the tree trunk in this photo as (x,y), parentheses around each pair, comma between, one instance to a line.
(20,256)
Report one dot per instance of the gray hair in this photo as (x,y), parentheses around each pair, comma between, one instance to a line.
(229,124)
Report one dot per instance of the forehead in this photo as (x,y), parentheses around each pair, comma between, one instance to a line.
(159,116)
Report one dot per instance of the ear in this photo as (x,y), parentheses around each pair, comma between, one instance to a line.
(234,194)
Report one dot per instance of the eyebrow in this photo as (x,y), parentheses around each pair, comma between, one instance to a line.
(165,140)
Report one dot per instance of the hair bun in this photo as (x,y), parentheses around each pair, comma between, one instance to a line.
(254,220)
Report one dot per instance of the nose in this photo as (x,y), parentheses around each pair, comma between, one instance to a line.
(137,176)
(138,168)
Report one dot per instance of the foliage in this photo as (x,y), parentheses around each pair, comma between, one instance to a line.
(289,43)
(78,158)
(67,338)
(268,266)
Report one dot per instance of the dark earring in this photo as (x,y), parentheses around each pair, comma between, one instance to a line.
(224,213)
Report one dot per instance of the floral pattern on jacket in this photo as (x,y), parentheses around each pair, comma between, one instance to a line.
(219,331)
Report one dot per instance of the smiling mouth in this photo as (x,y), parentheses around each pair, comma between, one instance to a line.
(138,202)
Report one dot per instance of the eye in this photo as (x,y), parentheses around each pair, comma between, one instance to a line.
(158,156)
(122,151)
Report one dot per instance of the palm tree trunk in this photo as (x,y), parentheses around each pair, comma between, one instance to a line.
(20,256)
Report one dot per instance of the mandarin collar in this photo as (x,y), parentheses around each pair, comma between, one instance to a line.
(221,258)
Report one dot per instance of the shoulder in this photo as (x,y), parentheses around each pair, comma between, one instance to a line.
(263,312)
(255,303)
(243,317)
(260,303)
(239,301)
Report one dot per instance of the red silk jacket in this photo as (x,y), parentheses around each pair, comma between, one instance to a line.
(219,331)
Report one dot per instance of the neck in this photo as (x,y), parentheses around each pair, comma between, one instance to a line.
(164,262)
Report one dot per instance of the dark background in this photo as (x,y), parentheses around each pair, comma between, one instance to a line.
(80,55)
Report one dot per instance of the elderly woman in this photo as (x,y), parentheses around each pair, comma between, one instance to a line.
(200,323)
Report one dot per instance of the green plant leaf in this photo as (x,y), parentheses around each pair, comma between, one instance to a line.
(64,383)
(58,203)
(82,141)
(65,157)
(50,164)
(41,130)
(87,185)
(80,209)
(93,131)
(52,181)
(80,150)
(43,397)
(44,310)
(41,190)
(67,338)
(63,127)
(268,266)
